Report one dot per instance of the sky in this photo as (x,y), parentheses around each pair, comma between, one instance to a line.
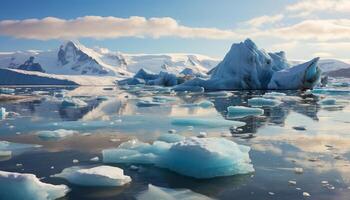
(302,28)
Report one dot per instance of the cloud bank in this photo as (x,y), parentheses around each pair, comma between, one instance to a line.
(106,27)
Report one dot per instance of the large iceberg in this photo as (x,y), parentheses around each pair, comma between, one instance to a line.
(16,186)
(155,192)
(246,66)
(195,157)
(95,176)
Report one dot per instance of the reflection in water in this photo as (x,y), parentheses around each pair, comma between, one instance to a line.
(321,147)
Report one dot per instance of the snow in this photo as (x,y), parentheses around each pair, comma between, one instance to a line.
(246,66)
(55,135)
(259,101)
(242,111)
(194,157)
(95,176)
(205,122)
(155,192)
(16,186)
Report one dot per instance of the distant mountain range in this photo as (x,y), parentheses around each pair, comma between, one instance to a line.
(76,60)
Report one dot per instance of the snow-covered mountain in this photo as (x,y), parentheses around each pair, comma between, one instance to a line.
(73,58)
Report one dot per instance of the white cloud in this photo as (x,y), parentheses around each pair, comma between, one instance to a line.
(263,20)
(307,7)
(106,27)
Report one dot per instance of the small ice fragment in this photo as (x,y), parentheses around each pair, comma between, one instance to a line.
(52,167)
(16,186)
(241,111)
(259,102)
(298,170)
(134,167)
(328,101)
(226,134)
(305,194)
(172,131)
(155,192)
(55,135)
(19,165)
(95,176)
(206,122)
(299,128)
(292,183)
(202,135)
(114,140)
(298,188)
(271,193)
(75,161)
(206,104)
(146,103)
(324,182)
(3,113)
(73,102)
(5,153)
(171,138)
(95,159)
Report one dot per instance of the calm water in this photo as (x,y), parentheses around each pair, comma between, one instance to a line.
(297,133)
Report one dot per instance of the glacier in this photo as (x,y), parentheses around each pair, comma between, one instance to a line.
(246,67)
(200,158)
(95,176)
(18,186)
(154,192)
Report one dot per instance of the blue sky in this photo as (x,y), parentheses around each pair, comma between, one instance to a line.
(194,26)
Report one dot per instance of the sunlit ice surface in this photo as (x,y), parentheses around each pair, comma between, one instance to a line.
(299,145)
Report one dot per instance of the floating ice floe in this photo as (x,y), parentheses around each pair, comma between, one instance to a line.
(55,135)
(206,122)
(328,101)
(164,99)
(7,91)
(258,102)
(95,176)
(7,149)
(155,192)
(195,157)
(242,111)
(171,138)
(330,91)
(16,186)
(206,104)
(146,103)
(73,102)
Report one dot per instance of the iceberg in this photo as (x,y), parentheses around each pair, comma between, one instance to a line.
(16,186)
(247,67)
(259,102)
(155,192)
(242,111)
(148,78)
(55,135)
(200,158)
(206,122)
(95,176)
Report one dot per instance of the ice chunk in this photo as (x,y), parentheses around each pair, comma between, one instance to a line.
(7,91)
(195,157)
(95,176)
(16,186)
(328,101)
(147,103)
(258,101)
(206,122)
(55,135)
(171,138)
(155,192)
(331,91)
(274,94)
(7,149)
(241,111)
(73,102)
(3,113)
(206,104)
